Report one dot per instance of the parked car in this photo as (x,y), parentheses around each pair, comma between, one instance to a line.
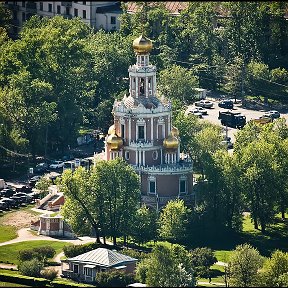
(202,110)
(227,142)
(7,192)
(273,114)
(27,198)
(262,120)
(204,104)
(57,165)
(41,167)
(34,180)
(10,202)
(195,112)
(18,199)
(227,104)
(3,205)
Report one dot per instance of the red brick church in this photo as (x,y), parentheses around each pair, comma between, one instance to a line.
(144,136)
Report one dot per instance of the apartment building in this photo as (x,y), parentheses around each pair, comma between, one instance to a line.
(97,14)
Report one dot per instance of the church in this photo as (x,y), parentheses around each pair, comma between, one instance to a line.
(144,136)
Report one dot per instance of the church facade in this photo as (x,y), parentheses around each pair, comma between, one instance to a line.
(143,135)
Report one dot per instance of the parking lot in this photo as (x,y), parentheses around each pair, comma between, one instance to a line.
(213,113)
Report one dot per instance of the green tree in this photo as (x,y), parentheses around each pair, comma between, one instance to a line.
(145,226)
(274,268)
(173,220)
(108,196)
(42,185)
(244,263)
(177,82)
(31,268)
(167,266)
(202,259)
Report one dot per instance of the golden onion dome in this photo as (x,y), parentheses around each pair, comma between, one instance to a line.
(171,142)
(114,142)
(174,132)
(111,130)
(142,45)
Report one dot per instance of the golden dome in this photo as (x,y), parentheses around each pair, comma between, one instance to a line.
(171,142)
(114,142)
(175,131)
(142,45)
(111,130)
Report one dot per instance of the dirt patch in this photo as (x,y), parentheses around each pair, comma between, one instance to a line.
(18,219)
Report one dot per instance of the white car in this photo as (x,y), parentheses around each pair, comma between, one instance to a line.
(195,112)
(57,165)
(273,114)
(204,104)
(202,110)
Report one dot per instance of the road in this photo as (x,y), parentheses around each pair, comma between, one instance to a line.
(249,113)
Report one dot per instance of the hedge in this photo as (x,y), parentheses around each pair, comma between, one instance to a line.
(21,279)
(63,283)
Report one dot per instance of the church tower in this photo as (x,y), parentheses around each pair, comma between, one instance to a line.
(143,135)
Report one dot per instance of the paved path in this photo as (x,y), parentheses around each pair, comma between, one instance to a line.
(25,234)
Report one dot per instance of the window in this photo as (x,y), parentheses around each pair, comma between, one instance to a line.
(127,155)
(183,186)
(122,131)
(152,186)
(155,155)
(76,268)
(41,6)
(23,3)
(84,14)
(141,132)
(113,20)
(87,271)
(84,3)
(50,7)
(23,16)
(58,9)
(75,12)
(67,11)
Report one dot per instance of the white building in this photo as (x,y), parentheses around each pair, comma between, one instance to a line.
(98,14)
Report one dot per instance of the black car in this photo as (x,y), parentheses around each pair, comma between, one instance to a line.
(34,180)
(3,205)
(227,104)
(41,168)
(7,192)
(10,202)
(18,199)
(27,198)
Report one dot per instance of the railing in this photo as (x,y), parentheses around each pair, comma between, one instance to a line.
(141,143)
(163,200)
(183,167)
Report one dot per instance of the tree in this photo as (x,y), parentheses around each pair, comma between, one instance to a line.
(167,266)
(31,268)
(173,220)
(42,185)
(107,197)
(275,268)
(244,263)
(202,259)
(114,279)
(176,82)
(145,226)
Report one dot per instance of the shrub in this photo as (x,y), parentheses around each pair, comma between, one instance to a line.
(49,274)
(114,279)
(134,253)
(75,250)
(26,255)
(44,252)
(31,268)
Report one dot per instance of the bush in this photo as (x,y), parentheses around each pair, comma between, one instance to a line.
(24,280)
(49,274)
(41,253)
(31,268)
(26,255)
(114,279)
(134,253)
(75,250)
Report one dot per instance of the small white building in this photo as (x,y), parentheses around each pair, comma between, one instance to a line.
(201,93)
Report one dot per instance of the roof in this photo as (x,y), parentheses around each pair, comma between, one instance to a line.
(103,257)
(172,7)
(116,7)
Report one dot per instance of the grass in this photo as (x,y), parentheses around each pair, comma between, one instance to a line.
(222,255)
(10,252)
(7,233)
(10,284)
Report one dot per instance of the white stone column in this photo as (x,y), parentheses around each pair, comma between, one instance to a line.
(146,87)
(144,158)
(136,152)
(129,132)
(152,127)
(154,85)
(161,154)
(169,123)
(136,87)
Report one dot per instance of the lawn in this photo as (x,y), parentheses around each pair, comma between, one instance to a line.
(10,284)
(10,252)
(7,233)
